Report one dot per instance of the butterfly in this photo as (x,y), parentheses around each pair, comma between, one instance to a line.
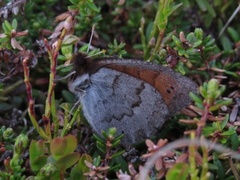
(134,96)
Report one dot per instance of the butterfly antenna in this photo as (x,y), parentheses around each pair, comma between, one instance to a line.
(230,20)
(76,103)
(65,77)
(74,106)
(90,41)
(100,52)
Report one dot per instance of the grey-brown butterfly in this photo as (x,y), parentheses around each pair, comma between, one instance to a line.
(134,96)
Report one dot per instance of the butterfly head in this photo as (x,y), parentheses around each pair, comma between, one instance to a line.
(79,84)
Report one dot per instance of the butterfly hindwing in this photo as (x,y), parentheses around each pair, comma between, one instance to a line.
(115,99)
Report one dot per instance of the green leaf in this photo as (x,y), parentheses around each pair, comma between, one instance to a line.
(212,166)
(179,171)
(198,32)
(97,161)
(38,163)
(101,146)
(37,148)
(209,49)
(227,45)
(92,6)
(14,24)
(80,168)
(67,161)
(229,132)
(83,49)
(72,7)
(203,91)
(115,143)
(195,98)
(224,122)
(98,138)
(234,141)
(234,74)
(192,52)
(36,154)
(75,2)
(201,5)
(180,68)
(70,40)
(197,43)
(117,154)
(208,130)
(118,137)
(60,147)
(67,51)
(191,38)
(177,41)
(181,52)
(7,27)
(66,106)
(174,8)
(210,9)
(57,147)
(5,39)
(104,133)
(220,103)
(49,171)
(234,34)
(199,105)
(220,171)
(208,41)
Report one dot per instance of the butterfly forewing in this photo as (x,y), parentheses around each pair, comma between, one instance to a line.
(173,87)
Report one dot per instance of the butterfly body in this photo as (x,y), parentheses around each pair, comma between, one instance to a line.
(134,96)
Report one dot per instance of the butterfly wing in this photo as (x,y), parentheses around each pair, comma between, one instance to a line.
(173,87)
(134,96)
(116,99)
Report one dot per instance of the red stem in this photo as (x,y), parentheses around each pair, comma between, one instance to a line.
(28,88)
(203,120)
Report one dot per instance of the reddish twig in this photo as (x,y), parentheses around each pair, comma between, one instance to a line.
(31,103)
(203,120)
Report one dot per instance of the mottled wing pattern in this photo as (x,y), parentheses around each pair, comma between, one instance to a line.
(173,87)
(116,99)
